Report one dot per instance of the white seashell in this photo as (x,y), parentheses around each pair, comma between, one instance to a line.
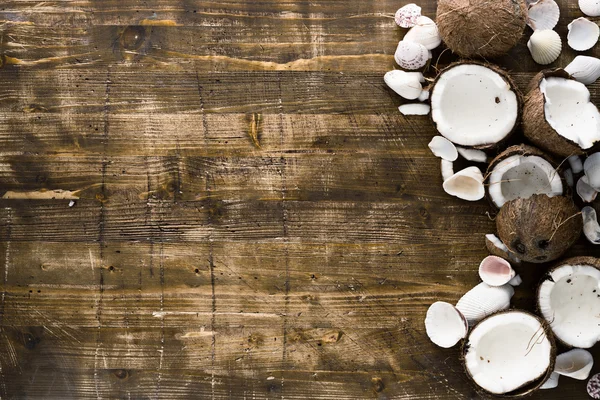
(406,84)
(575,163)
(576,364)
(544,46)
(466,184)
(445,325)
(406,17)
(443,148)
(424,96)
(585,191)
(593,387)
(591,8)
(484,300)
(543,14)
(585,69)
(414,109)
(569,179)
(447,169)
(424,32)
(591,229)
(551,382)
(472,154)
(583,34)
(516,281)
(591,169)
(411,55)
(495,271)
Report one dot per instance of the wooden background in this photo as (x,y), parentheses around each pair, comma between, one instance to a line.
(253,218)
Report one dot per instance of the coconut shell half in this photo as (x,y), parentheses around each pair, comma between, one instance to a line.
(540,228)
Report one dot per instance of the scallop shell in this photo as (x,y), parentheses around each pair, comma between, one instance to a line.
(411,55)
(424,32)
(591,229)
(576,364)
(544,46)
(583,34)
(447,168)
(466,184)
(495,271)
(443,148)
(591,8)
(543,14)
(585,191)
(591,168)
(585,69)
(406,17)
(551,382)
(414,109)
(406,84)
(484,300)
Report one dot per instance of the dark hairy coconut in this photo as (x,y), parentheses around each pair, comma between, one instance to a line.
(540,228)
(481,28)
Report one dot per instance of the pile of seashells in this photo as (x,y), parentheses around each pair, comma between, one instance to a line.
(481,117)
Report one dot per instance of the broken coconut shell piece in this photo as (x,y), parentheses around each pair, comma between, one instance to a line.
(576,364)
(510,353)
(472,154)
(551,382)
(591,229)
(466,86)
(414,109)
(497,248)
(443,148)
(540,228)
(484,300)
(466,184)
(445,325)
(569,299)
(558,116)
(495,271)
(519,172)
(447,169)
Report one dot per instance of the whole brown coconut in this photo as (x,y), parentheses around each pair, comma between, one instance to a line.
(540,228)
(481,28)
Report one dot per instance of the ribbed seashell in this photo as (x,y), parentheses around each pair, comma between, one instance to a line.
(414,109)
(484,300)
(443,148)
(591,229)
(585,69)
(585,191)
(576,364)
(411,55)
(583,34)
(466,184)
(424,32)
(406,17)
(495,271)
(591,8)
(551,382)
(406,84)
(544,46)
(543,14)
(447,169)
(591,168)
(445,325)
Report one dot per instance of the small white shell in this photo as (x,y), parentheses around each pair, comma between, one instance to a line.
(414,109)
(424,96)
(585,191)
(583,34)
(495,271)
(406,17)
(575,163)
(591,168)
(447,169)
(406,84)
(466,184)
(411,55)
(443,148)
(543,14)
(569,179)
(551,382)
(425,32)
(472,154)
(591,229)
(591,8)
(544,46)
(516,281)
(585,69)
(576,364)
(445,325)
(484,300)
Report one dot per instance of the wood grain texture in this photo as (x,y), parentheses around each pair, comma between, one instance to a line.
(251,218)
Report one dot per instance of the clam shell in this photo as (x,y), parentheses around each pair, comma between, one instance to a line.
(414,109)
(544,46)
(443,148)
(583,34)
(424,32)
(495,271)
(466,184)
(585,191)
(591,8)
(591,168)
(447,168)
(591,229)
(551,382)
(411,55)
(406,17)
(543,14)
(406,84)
(585,69)
(576,364)
(484,300)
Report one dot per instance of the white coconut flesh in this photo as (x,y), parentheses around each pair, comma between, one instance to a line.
(570,301)
(472,105)
(521,176)
(569,112)
(507,351)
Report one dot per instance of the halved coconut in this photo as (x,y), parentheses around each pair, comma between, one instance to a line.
(558,115)
(445,325)
(569,299)
(474,105)
(540,228)
(510,353)
(519,172)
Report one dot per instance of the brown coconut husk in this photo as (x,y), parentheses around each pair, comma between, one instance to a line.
(535,126)
(540,228)
(532,386)
(481,28)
